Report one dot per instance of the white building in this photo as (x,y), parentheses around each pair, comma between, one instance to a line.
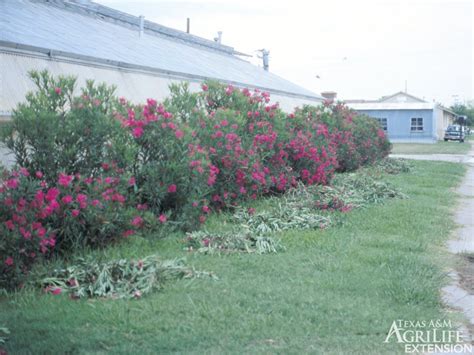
(139,57)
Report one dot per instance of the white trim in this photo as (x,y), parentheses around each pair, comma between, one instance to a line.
(392,106)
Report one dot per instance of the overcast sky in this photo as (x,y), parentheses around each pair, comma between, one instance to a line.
(361,49)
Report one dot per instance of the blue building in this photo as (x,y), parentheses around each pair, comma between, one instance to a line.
(406,118)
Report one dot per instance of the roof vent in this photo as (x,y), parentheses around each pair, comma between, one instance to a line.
(141,20)
(218,39)
(265,57)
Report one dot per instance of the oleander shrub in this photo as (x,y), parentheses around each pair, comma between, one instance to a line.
(258,148)
(38,219)
(247,148)
(56,131)
(357,140)
(172,172)
(92,169)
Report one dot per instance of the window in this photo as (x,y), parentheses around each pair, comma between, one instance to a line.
(417,124)
(382,123)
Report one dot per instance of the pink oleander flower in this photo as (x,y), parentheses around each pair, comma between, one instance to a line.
(75,212)
(82,200)
(162,218)
(172,188)
(12,183)
(25,233)
(10,225)
(229,90)
(53,206)
(137,132)
(179,134)
(41,232)
(24,172)
(118,197)
(9,261)
(67,199)
(204,87)
(52,194)
(56,291)
(137,221)
(58,90)
(65,180)
(131,181)
(39,174)
(205,209)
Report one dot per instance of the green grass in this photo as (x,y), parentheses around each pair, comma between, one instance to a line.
(331,291)
(436,148)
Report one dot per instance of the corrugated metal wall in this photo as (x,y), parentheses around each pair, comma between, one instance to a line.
(134,85)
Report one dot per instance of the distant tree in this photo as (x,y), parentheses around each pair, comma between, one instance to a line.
(465,109)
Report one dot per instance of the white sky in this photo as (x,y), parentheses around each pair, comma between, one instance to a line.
(361,49)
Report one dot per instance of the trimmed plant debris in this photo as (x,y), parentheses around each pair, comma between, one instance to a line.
(303,207)
(118,279)
(206,242)
(393,166)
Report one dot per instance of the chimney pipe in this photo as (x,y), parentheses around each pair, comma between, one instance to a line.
(218,39)
(265,58)
(329,95)
(188,25)
(141,18)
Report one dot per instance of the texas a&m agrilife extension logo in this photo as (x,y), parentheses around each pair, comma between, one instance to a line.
(428,336)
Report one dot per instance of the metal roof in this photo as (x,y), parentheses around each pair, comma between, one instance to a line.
(95,32)
(392,106)
(401,94)
(372,106)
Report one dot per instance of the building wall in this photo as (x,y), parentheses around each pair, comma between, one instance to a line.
(399,124)
(443,120)
(439,119)
(134,85)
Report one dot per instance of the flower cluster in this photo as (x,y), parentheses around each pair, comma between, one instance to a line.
(37,217)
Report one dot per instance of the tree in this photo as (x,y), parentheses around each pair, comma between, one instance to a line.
(465,109)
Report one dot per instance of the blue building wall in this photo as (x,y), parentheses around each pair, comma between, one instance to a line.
(399,124)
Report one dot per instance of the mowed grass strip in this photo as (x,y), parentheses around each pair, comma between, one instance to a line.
(331,291)
(441,147)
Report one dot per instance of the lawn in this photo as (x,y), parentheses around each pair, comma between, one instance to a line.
(331,291)
(436,148)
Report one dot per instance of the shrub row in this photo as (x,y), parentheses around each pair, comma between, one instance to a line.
(93,168)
